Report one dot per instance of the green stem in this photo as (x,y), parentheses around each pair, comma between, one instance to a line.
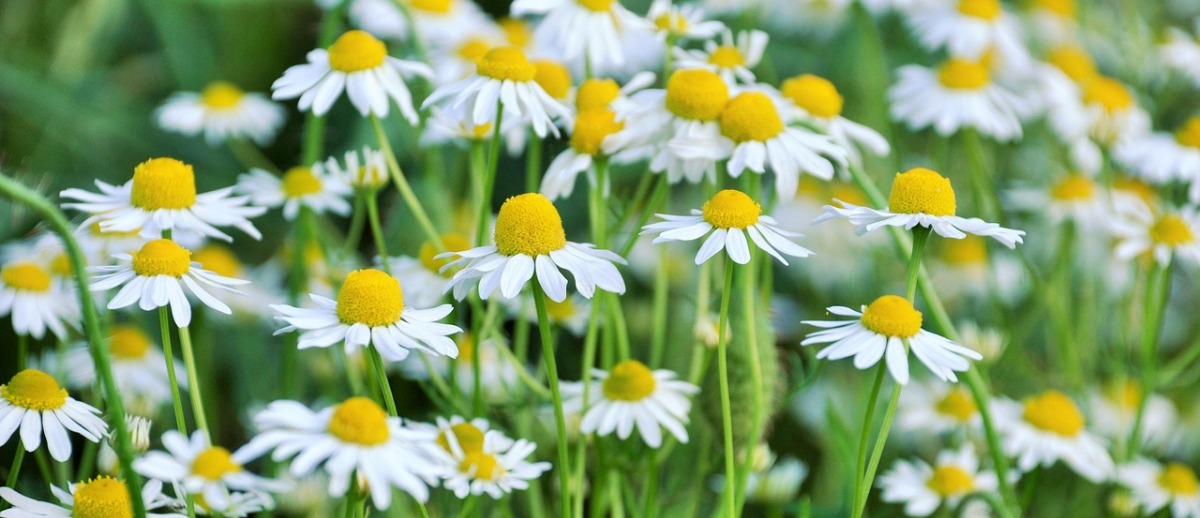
(920,237)
(377,232)
(250,156)
(730,493)
(22,351)
(189,362)
(656,200)
(489,181)
(749,314)
(358,221)
(589,361)
(864,439)
(1061,318)
(169,354)
(560,420)
(1158,288)
(987,200)
(889,416)
(15,470)
(533,162)
(650,495)
(662,290)
(314,135)
(381,379)
(405,189)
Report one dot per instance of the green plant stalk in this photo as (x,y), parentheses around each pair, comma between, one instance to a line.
(1061,318)
(22,351)
(560,420)
(589,361)
(729,495)
(533,162)
(381,379)
(657,198)
(169,355)
(489,181)
(869,479)
(662,290)
(1158,288)
(864,440)
(377,233)
(15,470)
(987,198)
(477,166)
(189,362)
(406,192)
(749,314)
(358,219)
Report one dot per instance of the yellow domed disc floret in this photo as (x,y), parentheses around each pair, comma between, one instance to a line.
(506,64)
(432,6)
(1073,61)
(962,74)
(128,342)
(696,94)
(300,181)
(592,126)
(1110,94)
(529,224)
(1171,230)
(629,380)
(1074,188)
(356,51)
(221,95)
(102,497)
(1179,480)
(468,436)
(596,93)
(726,56)
(957,404)
(452,242)
(950,480)
(484,466)
(162,257)
(922,191)
(163,183)
(751,116)
(218,259)
(892,316)
(816,95)
(370,297)
(25,276)
(1189,134)
(985,9)
(1054,412)
(553,77)
(597,6)
(361,421)
(731,209)
(33,389)
(214,463)
(517,31)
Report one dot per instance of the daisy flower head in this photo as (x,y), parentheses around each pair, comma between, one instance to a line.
(33,403)
(929,407)
(592,139)
(633,396)
(889,326)
(1156,486)
(969,29)
(1160,233)
(687,110)
(459,59)
(571,314)
(921,197)
(583,30)
(529,238)
(310,187)
(923,488)
(422,276)
(202,470)
(157,275)
(370,309)
(364,171)
(222,111)
(1054,21)
(1161,158)
(358,64)
(102,496)
(439,23)
(482,461)
(821,102)
(727,218)
(732,59)
(1046,428)
(681,22)
(1073,197)
(160,197)
(36,298)
(1114,407)
(139,368)
(1111,112)
(355,438)
(504,79)
(958,94)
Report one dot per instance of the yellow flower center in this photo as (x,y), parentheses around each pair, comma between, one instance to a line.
(815,94)
(751,116)
(356,51)
(967,251)
(96,231)
(466,348)
(1179,480)
(25,276)
(891,315)
(963,74)
(452,242)
(1073,188)
(1189,134)
(219,260)
(696,94)
(506,64)
(163,183)
(483,465)
(468,436)
(370,297)
(300,181)
(214,463)
(847,192)
(673,22)
(629,380)
(1054,412)
(985,9)
(1171,230)
(474,49)
(726,56)
(597,6)
(529,224)
(359,420)
(559,311)
(1127,395)
(61,265)
(432,6)
(128,342)
(553,77)
(1137,188)
(592,127)
(1109,93)
(957,404)
(731,209)
(516,31)
(102,497)
(922,191)
(162,257)
(221,95)
(596,93)
(1063,8)
(33,389)
(948,481)
(1075,62)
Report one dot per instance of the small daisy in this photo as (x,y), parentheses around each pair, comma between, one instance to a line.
(366,171)
(33,402)
(729,216)
(423,279)
(529,238)
(1114,409)
(36,299)
(311,187)
(483,461)
(359,64)
(354,438)
(370,309)
(205,471)
(459,59)
(592,139)
(1111,112)
(138,428)
(889,325)
(503,79)
(583,30)
(222,111)
(138,366)
(777,484)
(969,29)
(1181,52)
(929,407)
(733,60)
(821,102)
(923,488)
(631,395)
(958,94)
(571,314)
(98,497)
(162,197)
(607,93)
(925,198)
(99,246)
(1073,197)
(1047,428)
(439,23)
(156,276)
(1163,234)
(1156,486)
(1162,158)
(681,22)
(265,285)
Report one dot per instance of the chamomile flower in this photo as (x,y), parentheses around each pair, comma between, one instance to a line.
(607,93)
(529,238)
(36,299)
(1046,428)
(778,484)
(1073,197)
(370,309)
(99,497)
(202,470)
(99,246)
(925,198)
(969,29)
(1053,21)
(632,396)
(439,22)
(821,102)
(1114,407)
(727,219)
(929,407)
(1163,233)
(355,438)
(265,280)
(156,276)
(503,79)
(923,488)
(358,64)
(459,59)
(33,402)
(958,94)
(139,368)
(732,59)
(482,461)
(582,30)
(571,314)
(310,187)
(1111,113)
(1181,52)
(591,140)
(1156,486)
(365,170)
(222,111)
(1161,158)
(423,279)
(681,22)
(162,197)
(686,111)
(890,325)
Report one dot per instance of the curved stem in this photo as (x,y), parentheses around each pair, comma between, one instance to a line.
(189,362)
(749,314)
(489,181)
(15,470)
(377,232)
(358,219)
(405,189)
(730,493)
(381,379)
(864,440)
(169,354)
(560,420)
(889,416)
(1157,291)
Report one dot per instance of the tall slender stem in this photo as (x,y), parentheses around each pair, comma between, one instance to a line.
(405,189)
(358,219)
(15,470)
(22,351)
(750,315)
(1158,284)
(377,232)
(189,362)
(533,162)
(864,440)
(730,493)
(164,326)
(489,181)
(381,378)
(889,416)
(560,420)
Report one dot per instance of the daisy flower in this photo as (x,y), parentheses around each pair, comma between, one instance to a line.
(423,279)
(591,140)
(888,325)
(439,22)
(1161,158)
(354,438)
(681,22)
(727,219)
(311,187)
(1046,428)
(925,198)
(632,396)
(529,238)
(1111,113)
(1163,234)
(1114,409)
(929,407)
(365,171)
(36,299)
(733,60)
(139,368)
(222,111)
(156,276)
(1073,197)
(1156,486)
(370,309)
(571,314)
(969,29)
(100,496)
(34,403)
(162,197)
(265,284)
(498,371)
(358,64)
(777,484)
(99,246)
(923,488)
(607,93)
(205,471)
(958,94)
(822,104)
(1181,52)
(458,60)
(482,461)
(584,30)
